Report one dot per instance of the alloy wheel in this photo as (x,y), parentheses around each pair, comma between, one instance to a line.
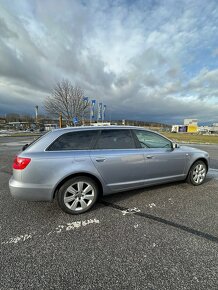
(199,173)
(79,196)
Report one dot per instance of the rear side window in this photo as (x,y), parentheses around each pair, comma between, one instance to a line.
(115,139)
(74,141)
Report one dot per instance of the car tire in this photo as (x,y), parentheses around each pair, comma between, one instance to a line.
(77,195)
(197,173)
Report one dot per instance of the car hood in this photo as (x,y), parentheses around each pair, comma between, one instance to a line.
(192,149)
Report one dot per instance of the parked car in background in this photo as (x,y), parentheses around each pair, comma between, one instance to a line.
(78,164)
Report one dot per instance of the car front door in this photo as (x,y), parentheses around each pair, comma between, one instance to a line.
(119,162)
(163,162)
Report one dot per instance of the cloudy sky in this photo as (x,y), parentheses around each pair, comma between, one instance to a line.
(147,60)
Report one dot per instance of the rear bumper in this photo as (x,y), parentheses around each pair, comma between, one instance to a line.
(32,192)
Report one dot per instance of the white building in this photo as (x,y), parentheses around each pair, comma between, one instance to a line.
(190,122)
(49,127)
(101,124)
(214,128)
(204,129)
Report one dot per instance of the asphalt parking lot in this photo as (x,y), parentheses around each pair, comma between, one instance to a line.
(163,237)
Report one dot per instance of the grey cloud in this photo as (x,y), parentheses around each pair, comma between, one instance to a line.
(157,108)
(204,85)
(14,104)
(133,61)
(5,32)
(26,71)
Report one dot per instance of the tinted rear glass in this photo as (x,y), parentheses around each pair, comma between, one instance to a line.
(35,140)
(81,140)
(115,139)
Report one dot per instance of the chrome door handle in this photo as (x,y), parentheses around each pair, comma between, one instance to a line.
(100,159)
(149,156)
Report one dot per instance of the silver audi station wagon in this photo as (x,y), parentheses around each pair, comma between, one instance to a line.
(76,165)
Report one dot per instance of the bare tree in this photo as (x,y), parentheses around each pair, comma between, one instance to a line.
(67,100)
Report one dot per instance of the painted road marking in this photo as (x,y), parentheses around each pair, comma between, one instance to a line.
(18,239)
(60,228)
(130,211)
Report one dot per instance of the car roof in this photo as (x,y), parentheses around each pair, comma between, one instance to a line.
(82,128)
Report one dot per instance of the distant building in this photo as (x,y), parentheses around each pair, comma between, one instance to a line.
(214,128)
(204,129)
(190,126)
(193,122)
(175,128)
(49,127)
(192,129)
(101,124)
(20,125)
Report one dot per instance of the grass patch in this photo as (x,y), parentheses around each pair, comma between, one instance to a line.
(192,138)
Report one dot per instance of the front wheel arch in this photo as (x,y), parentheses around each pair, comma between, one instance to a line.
(199,159)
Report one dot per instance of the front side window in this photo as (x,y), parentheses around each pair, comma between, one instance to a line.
(152,140)
(115,139)
(81,140)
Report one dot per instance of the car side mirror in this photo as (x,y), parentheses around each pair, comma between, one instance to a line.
(175,145)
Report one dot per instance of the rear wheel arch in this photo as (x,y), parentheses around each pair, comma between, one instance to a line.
(85,174)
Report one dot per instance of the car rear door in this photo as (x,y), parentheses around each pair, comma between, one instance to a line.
(162,161)
(118,161)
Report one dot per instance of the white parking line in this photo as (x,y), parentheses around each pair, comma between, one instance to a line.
(130,211)
(18,239)
(60,228)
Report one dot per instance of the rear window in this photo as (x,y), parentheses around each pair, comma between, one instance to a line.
(81,140)
(34,141)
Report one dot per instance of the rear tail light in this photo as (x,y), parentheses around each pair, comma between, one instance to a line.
(20,163)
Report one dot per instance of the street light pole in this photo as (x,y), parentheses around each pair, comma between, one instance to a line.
(36,113)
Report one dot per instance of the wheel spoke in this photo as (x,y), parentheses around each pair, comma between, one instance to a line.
(87,189)
(71,190)
(195,176)
(83,203)
(74,204)
(88,196)
(80,185)
(69,198)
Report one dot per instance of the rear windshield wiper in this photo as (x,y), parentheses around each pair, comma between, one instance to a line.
(25,146)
